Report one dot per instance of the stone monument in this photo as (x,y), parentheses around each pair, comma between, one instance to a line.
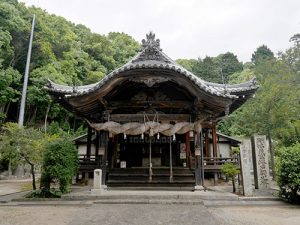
(97,187)
(260,161)
(245,152)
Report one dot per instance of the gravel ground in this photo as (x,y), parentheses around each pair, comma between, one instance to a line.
(148,214)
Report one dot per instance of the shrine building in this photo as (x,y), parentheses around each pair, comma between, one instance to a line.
(151,121)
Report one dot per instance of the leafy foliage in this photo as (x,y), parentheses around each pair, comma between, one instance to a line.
(22,144)
(214,69)
(231,170)
(60,164)
(67,54)
(288,173)
(262,54)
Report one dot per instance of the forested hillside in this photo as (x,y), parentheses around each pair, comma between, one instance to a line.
(62,51)
(274,110)
(71,54)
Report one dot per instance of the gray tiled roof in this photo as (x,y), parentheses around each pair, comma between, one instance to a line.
(152,57)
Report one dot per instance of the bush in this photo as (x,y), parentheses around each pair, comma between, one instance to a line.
(42,193)
(231,170)
(59,165)
(288,170)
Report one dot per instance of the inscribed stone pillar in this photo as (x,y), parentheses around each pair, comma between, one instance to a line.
(260,161)
(245,152)
(97,179)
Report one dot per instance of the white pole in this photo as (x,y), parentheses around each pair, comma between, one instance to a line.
(24,91)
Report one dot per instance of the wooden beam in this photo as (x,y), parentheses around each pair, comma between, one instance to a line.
(140,117)
(160,104)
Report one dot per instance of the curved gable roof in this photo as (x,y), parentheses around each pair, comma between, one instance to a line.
(152,57)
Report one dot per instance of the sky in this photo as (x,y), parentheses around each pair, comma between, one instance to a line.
(189,28)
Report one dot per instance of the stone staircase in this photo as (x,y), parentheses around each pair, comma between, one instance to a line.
(139,177)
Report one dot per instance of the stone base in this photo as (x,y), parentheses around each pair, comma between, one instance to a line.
(199,188)
(97,191)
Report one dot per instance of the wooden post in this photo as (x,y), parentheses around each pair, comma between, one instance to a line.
(215,149)
(104,143)
(199,158)
(214,138)
(89,143)
(171,163)
(188,149)
(150,159)
(97,147)
(115,149)
(207,144)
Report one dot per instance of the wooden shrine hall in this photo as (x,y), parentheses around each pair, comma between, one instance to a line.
(149,121)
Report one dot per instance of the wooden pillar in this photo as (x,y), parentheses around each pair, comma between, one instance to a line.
(171,161)
(207,144)
(214,139)
(199,159)
(215,149)
(104,143)
(97,147)
(115,148)
(89,143)
(188,149)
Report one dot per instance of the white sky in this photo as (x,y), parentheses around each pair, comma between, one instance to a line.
(189,28)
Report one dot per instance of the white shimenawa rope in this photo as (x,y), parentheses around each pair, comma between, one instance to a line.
(134,128)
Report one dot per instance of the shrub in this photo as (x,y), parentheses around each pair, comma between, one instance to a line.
(288,170)
(231,170)
(59,165)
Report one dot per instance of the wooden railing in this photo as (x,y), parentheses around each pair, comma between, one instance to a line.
(215,163)
(210,163)
(89,163)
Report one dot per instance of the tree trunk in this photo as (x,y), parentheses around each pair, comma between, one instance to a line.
(33,177)
(31,120)
(46,116)
(32,173)
(6,110)
(233,185)
(272,155)
(9,168)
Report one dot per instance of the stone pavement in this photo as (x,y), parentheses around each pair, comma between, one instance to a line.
(214,196)
(148,214)
(136,207)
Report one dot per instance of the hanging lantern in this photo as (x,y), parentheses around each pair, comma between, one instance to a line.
(125,136)
(142,136)
(174,137)
(157,136)
(191,133)
(151,132)
(110,135)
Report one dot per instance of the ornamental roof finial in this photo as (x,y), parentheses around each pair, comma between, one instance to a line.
(151,41)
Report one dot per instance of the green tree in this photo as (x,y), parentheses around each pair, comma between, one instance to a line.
(124,47)
(60,164)
(9,79)
(288,170)
(22,144)
(189,64)
(214,69)
(261,54)
(228,64)
(231,170)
